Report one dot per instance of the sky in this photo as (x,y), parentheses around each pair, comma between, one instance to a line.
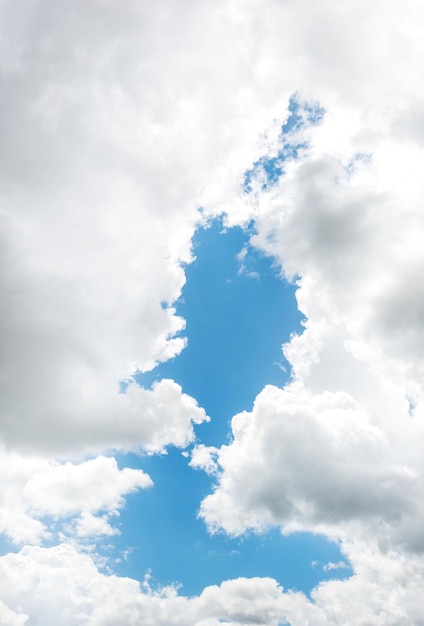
(211,406)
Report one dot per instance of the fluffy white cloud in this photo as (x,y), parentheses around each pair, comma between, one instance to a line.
(60,585)
(10,618)
(63,586)
(306,461)
(98,210)
(339,450)
(204,457)
(330,566)
(345,438)
(89,525)
(97,217)
(34,488)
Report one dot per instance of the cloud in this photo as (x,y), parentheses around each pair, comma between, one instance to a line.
(92,240)
(37,493)
(310,463)
(330,566)
(89,525)
(10,618)
(97,484)
(204,457)
(64,585)
(339,450)
(69,589)
(98,211)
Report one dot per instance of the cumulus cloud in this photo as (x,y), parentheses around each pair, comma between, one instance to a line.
(92,238)
(353,412)
(89,525)
(34,488)
(61,585)
(339,450)
(70,590)
(311,463)
(204,457)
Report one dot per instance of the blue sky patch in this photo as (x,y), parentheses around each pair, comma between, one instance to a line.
(239,312)
(268,169)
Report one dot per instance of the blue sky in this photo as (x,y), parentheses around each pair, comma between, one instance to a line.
(238,315)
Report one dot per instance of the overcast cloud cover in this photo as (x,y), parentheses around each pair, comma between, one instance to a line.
(118,123)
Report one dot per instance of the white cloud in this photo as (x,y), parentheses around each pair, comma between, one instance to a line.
(309,462)
(339,442)
(339,451)
(98,211)
(95,484)
(339,565)
(34,488)
(63,586)
(89,525)
(10,618)
(204,457)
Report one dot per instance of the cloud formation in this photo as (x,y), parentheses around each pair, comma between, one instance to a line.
(117,125)
(62,585)
(34,487)
(342,441)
